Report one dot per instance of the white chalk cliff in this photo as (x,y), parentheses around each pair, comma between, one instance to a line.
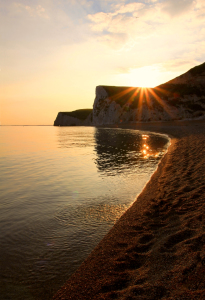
(178,99)
(81,117)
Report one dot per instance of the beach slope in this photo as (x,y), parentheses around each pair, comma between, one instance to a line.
(157,248)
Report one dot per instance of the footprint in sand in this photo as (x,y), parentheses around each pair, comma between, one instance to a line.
(156,293)
(142,248)
(146,238)
(131,262)
(176,238)
(116,285)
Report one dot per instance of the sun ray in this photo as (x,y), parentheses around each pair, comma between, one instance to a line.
(140,104)
(161,91)
(122,93)
(131,99)
(142,99)
(148,101)
(161,102)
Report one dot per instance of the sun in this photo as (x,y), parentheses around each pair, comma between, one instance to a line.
(148,76)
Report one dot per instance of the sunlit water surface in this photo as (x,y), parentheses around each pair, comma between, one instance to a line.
(62,189)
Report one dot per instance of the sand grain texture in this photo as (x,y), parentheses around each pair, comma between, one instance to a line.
(157,248)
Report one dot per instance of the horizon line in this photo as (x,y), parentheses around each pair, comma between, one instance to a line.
(26,125)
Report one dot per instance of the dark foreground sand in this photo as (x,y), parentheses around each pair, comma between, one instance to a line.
(157,248)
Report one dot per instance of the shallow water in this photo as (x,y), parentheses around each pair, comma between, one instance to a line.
(62,189)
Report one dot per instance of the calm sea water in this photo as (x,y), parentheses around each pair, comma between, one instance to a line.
(61,190)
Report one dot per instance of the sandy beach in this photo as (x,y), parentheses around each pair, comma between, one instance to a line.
(156,250)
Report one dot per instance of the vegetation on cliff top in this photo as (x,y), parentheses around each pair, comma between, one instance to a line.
(80,114)
(121,94)
(167,91)
(198,69)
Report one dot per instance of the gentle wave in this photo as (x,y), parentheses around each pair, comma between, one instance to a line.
(61,190)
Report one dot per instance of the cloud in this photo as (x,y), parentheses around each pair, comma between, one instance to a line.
(177,7)
(179,65)
(50,48)
(103,20)
(123,21)
(115,40)
(30,34)
(129,8)
(35,10)
(42,27)
(154,19)
(100,21)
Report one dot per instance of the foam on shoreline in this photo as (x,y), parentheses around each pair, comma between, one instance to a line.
(156,249)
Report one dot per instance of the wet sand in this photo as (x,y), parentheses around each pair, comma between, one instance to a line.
(157,248)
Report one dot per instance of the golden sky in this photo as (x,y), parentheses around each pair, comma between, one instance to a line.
(53,53)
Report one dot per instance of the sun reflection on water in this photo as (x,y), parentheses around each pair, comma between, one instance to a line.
(146,149)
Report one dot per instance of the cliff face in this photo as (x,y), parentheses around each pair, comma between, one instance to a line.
(81,117)
(180,98)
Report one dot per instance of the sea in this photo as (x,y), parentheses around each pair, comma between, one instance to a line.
(61,190)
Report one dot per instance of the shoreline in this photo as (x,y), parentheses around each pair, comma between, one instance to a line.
(156,249)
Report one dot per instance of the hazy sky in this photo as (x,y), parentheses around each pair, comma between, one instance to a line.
(53,53)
